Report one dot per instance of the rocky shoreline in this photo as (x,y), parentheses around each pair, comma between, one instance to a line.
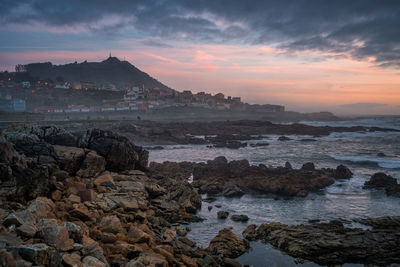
(229,134)
(89,200)
(92,199)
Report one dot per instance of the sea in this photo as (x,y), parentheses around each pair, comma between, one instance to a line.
(345,200)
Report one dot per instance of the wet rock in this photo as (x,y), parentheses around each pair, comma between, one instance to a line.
(381,154)
(181,231)
(227,262)
(222,214)
(380,181)
(342,172)
(227,244)
(232,192)
(333,244)
(309,166)
(216,178)
(240,218)
(250,232)
(284,138)
(259,144)
(288,165)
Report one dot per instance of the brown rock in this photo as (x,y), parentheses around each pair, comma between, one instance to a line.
(6,259)
(88,195)
(111,224)
(136,235)
(227,244)
(81,212)
(222,214)
(92,165)
(74,198)
(69,158)
(72,260)
(90,261)
(56,195)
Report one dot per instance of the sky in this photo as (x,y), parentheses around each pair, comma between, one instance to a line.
(314,55)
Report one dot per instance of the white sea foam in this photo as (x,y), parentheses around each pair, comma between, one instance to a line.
(383,162)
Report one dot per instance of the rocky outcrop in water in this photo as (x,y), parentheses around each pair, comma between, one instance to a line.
(89,200)
(332,243)
(233,179)
(381,180)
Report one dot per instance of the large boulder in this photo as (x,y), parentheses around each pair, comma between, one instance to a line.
(92,165)
(227,244)
(120,153)
(342,172)
(380,180)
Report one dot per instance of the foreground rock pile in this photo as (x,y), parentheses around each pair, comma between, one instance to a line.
(237,177)
(332,243)
(89,200)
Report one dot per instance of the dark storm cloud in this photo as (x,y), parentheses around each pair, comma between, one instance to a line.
(362,28)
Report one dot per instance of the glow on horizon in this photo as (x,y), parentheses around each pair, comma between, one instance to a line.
(306,81)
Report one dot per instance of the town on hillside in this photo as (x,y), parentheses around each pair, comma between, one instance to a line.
(22,92)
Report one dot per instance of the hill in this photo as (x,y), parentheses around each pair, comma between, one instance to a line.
(112,70)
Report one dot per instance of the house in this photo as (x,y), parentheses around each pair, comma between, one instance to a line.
(18,105)
(82,85)
(26,84)
(62,85)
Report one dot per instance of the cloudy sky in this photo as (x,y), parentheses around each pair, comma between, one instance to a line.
(342,56)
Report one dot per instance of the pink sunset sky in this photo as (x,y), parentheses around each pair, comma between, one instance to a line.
(345,76)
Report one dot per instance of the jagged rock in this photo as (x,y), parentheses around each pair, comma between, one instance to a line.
(232,192)
(120,153)
(309,166)
(39,253)
(227,244)
(81,212)
(6,259)
(136,235)
(111,224)
(90,261)
(216,176)
(55,235)
(333,244)
(181,231)
(240,218)
(72,260)
(148,259)
(250,232)
(92,165)
(380,181)
(342,172)
(222,214)
(69,159)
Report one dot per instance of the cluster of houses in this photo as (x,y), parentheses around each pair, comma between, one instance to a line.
(137,98)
